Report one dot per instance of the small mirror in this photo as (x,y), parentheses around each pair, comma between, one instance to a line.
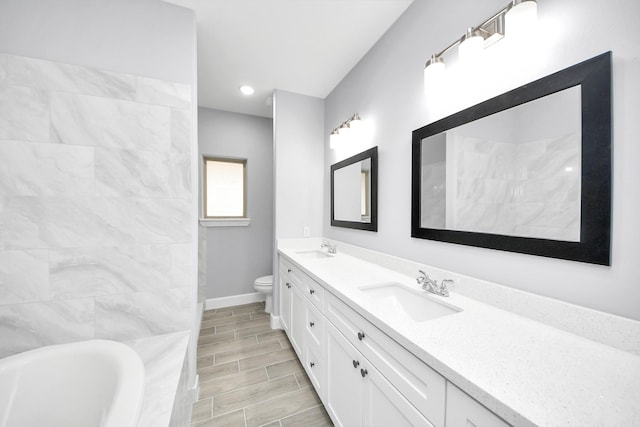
(354,191)
(528,171)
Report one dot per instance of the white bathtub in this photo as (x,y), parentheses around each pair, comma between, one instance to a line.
(82,384)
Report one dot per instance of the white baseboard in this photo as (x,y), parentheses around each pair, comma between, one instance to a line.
(274,322)
(212,303)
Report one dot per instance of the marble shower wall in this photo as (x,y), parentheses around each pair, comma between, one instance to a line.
(528,189)
(95,205)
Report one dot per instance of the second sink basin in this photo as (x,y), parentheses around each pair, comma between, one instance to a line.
(416,304)
(315,254)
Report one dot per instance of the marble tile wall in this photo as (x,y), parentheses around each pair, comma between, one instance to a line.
(95,205)
(433,197)
(529,189)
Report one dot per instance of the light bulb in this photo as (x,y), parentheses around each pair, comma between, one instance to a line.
(433,73)
(344,131)
(334,139)
(521,18)
(355,123)
(471,48)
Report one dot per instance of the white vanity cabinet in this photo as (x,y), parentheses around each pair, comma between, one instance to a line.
(363,377)
(410,386)
(301,304)
(358,395)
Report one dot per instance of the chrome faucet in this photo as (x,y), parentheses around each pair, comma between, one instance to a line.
(431,285)
(332,249)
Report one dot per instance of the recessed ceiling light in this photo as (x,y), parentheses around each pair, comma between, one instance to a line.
(246,90)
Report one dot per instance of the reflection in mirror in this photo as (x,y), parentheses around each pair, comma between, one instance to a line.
(528,171)
(354,191)
(516,172)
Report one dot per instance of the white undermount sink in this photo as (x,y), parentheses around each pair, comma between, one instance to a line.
(413,303)
(315,254)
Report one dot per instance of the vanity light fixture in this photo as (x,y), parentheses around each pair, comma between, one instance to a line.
(343,133)
(345,130)
(516,17)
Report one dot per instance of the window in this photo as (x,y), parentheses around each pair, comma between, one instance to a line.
(225,188)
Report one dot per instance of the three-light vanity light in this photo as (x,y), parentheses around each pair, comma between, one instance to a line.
(514,19)
(342,133)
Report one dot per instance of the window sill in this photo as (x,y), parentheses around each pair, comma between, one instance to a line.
(225,222)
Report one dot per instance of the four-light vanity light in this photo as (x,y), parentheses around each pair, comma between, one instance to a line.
(342,133)
(514,19)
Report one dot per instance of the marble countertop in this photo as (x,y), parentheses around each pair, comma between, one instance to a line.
(525,371)
(163,357)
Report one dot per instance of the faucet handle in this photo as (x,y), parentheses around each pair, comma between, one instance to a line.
(445,284)
(421,279)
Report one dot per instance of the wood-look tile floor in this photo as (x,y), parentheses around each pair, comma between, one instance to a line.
(250,375)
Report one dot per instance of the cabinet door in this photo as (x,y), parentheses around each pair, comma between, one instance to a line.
(383,405)
(344,381)
(463,411)
(285,302)
(298,320)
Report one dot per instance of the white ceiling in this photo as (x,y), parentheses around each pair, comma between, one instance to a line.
(302,46)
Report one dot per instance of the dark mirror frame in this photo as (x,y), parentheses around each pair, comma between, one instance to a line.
(594,78)
(371,153)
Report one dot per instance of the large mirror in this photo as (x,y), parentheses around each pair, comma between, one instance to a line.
(354,191)
(528,171)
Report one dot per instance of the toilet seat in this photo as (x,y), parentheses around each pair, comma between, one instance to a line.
(264,281)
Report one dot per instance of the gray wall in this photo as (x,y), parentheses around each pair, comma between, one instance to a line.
(236,256)
(298,122)
(386,89)
(299,161)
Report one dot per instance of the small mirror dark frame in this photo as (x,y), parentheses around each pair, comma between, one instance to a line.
(594,78)
(371,153)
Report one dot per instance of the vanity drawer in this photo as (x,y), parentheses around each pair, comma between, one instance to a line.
(423,387)
(315,325)
(293,273)
(310,288)
(313,291)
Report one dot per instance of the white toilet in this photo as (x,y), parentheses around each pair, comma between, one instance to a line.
(264,285)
